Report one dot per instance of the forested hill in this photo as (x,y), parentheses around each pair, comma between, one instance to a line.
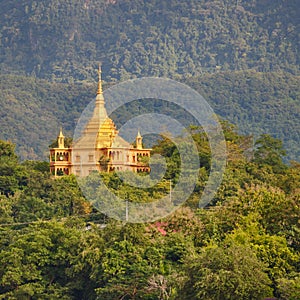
(63,40)
(33,109)
(243,56)
(54,244)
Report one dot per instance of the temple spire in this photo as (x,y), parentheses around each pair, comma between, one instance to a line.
(99,91)
(61,139)
(138,140)
(100,113)
(60,132)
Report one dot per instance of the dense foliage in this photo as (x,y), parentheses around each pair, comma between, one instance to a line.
(257,103)
(33,110)
(63,40)
(243,56)
(244,245)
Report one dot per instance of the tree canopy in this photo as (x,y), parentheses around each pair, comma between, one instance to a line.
(243,245)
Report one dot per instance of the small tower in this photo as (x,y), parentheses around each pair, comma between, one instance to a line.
(61,140)
(60,157)
(138,141)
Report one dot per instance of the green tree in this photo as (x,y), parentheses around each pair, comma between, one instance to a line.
(8,168)
(269,151)
(226,272)
(35,263)
(289,288)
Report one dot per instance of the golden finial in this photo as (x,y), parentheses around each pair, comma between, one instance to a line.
(61,139)
(138,139)
(60,132)
(99,91)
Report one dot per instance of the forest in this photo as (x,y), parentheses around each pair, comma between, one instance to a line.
(63,40)
(34,109)
(243,57)
(243,245)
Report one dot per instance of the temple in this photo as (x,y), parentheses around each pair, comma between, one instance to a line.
(99,147)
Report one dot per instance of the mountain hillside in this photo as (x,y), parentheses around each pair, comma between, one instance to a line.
(256,103)
(64,40)
(243,56)
(32,110)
